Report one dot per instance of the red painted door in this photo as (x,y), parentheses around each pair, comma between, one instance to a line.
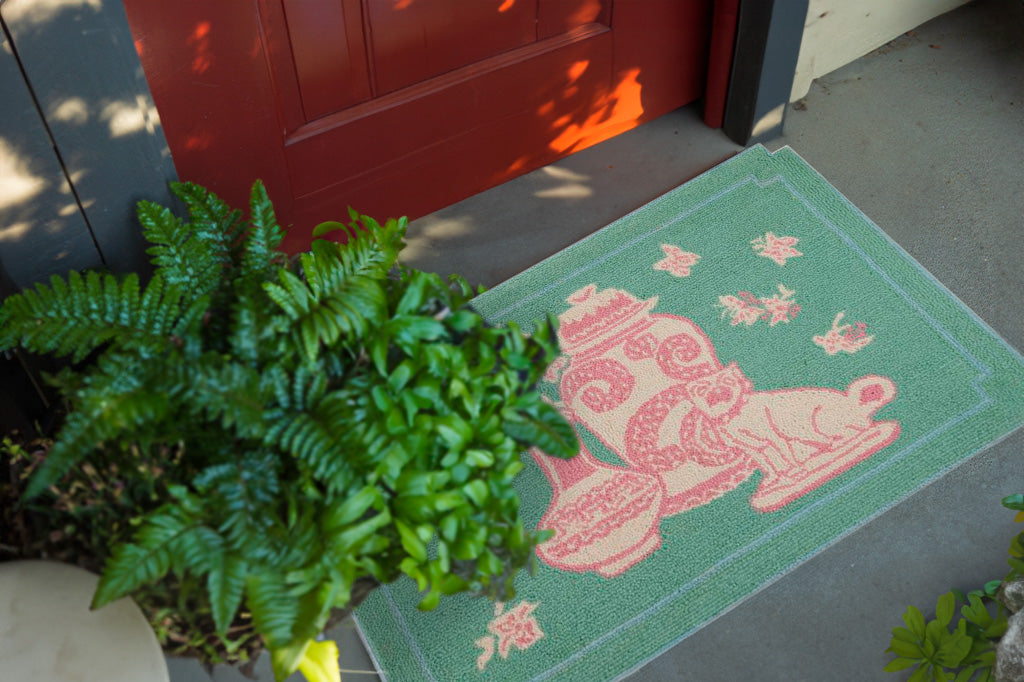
(400,107)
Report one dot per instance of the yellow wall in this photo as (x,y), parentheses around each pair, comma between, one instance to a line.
(839,31)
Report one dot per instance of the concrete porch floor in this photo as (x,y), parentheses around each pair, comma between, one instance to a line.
(926,137)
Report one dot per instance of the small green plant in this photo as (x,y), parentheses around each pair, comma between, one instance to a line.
(967,652)
(291,431)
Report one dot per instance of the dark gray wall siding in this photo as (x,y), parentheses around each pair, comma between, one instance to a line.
(81,67)
(41,229)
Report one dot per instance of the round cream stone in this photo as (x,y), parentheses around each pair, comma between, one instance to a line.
(47,631)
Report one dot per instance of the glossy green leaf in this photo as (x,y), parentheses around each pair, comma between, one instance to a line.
(905,649)
(921,674)
(915,621)
(450,527)
(548,430)
(316,418)
(411,542)
(966,674)
(430,601)
(477,491)
(898,664)
(329,226)
(350,539)
(1015,502)
(945,608)
(351,508)
(904,635)
(479,458)
(400,376)
(953,650)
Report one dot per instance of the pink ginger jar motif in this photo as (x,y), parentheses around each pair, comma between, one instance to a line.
(688,429)
(651,388)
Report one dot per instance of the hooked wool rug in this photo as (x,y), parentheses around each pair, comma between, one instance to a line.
(754,370)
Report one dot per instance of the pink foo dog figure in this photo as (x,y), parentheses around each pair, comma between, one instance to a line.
(650,387)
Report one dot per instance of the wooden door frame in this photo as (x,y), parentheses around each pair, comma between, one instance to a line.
(767,44)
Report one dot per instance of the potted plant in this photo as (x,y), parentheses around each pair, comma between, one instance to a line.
(271,437)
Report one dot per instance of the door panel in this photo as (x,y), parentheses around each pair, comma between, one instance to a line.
(446,159)
(560,16)
(404,106)
(329,54)
(413,40)
(429,116)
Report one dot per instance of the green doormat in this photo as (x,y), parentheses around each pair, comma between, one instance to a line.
(755,370)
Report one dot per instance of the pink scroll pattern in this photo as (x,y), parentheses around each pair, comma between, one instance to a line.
(687,428)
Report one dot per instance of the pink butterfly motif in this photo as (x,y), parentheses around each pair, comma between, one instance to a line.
(516,628)
(676,262)
(779,249)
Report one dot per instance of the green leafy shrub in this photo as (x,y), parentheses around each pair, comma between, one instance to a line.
(321,424)
(967,652)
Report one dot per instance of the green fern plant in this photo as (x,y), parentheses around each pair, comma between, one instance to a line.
(331,417)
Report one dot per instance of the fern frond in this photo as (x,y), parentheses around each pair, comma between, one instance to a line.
(246,328)
(213,222)
(196,550)
(301,545)
(147,560)
(339,306)
(227,392)
(182,259)
(315,604)
(277,381)
(130,567)
(372,252)
(188,328)
(312,436)
(258,329)
(77,316)
(259,247)
(120,398)
(291,294)
(308,386)
(386,239)
(274,610)
(243,493)
(226,585)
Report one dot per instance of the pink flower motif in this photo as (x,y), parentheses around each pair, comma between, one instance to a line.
(846,338)
(741,309)
(779,249)
(515,628)
(747,309)
(676,262)
(487,644)
(780,308)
